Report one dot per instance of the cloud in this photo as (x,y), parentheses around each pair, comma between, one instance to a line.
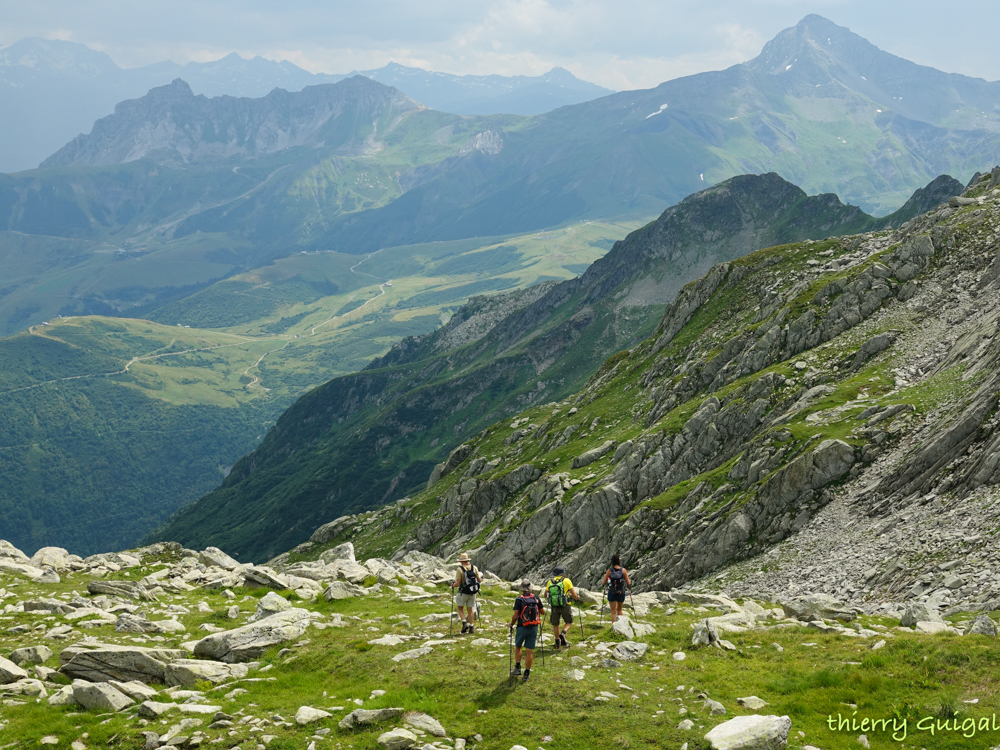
(622,44)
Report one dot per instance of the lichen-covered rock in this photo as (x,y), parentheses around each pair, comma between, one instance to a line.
(189,672)
(982,625)
(250,641)
(751,733)
(105,662)
(10,672)
(817,605)
(101,696)
(363,717)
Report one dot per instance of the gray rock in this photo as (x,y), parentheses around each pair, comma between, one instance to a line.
(817,605)
(105,662)
(48,576)
(752,702)
(574,675)
(261,575)
(51,557)
(332,530)
(124,589)
(363,717)
(426,723)
(250,641)
(623,627)
(215,557)
(129,623)
(715,708)
(610,663)
(596,454)
(309,715)
(343,552)
(341,590)
(751,733)
(10,552)
(62,697)
(31,655)
(982,625)
(397,739)
(270,604)
(188,672)
(705,634)
(10,672)
(630,650)
(413,654)
(919,612)
(101,696)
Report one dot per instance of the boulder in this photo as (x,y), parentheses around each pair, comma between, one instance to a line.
(25,569)
(595,454)
(101,696)
(31,655)
(215,557)
(630,650)
(188,672)
(714,708)
(270,604)
(752,702)
(982,625)
(137,691)
(397,739)
(309,715)
(62,697)
(129,623)
(10,672)
(124,589)
(48,576)
(751,733)
(51,557)
(250,641)
(10,552)
(935,627)
(363,717)
(817,605)
(341,590)
(919,612)
(426,723)
(332,530)
(705,634)
(106,662)
(343,552)
(261,575)
(623,628)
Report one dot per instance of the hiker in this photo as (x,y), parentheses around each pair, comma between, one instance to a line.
(528,612)
(617,580)
(558,589)
(467,581)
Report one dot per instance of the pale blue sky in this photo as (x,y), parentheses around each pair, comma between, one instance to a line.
(617,43)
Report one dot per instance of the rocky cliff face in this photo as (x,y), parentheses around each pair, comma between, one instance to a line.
(496,357)
(351,116)
(858,372)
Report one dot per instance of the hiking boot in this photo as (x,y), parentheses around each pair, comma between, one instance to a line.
(526,673)
(472,629)
(562,640)
(465,628)
(556,647)
(517,670)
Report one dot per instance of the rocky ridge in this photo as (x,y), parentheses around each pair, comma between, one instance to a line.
(837,395)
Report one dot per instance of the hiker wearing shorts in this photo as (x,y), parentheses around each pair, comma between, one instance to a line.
(528,612)
(617,580)
(467,580)
(558,590)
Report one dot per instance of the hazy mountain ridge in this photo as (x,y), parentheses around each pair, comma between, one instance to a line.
(56,90)
(364,439)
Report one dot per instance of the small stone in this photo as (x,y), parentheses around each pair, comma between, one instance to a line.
(863,741)
(751,733)
(575,675)
(630,650)
(752,702)
(679,656)
(413,654)
(686,724)
(49,739)
(715,708)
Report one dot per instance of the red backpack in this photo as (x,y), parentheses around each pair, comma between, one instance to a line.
(530,606)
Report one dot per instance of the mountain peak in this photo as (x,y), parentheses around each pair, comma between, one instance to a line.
(56,55)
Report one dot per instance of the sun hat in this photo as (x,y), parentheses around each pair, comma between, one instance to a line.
(525,585)
(463,557)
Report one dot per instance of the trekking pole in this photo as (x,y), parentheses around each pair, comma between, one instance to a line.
(451,619)
(510,657)
(604,592)
(579,608)
(479,613)
(542,646)
(634,615)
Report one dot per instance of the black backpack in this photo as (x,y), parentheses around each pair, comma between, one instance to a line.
(470,581)
(616,581)
(529,611)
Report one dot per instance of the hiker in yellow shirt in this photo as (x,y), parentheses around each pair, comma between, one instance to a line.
(558,590)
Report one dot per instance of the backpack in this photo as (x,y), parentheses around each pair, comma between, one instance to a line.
(470,581)
(556,592)
(529,614)
(616,581)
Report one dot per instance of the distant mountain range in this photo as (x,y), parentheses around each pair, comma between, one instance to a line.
(51,90)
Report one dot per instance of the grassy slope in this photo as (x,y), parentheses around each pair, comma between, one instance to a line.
(95,462)
(812,676)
